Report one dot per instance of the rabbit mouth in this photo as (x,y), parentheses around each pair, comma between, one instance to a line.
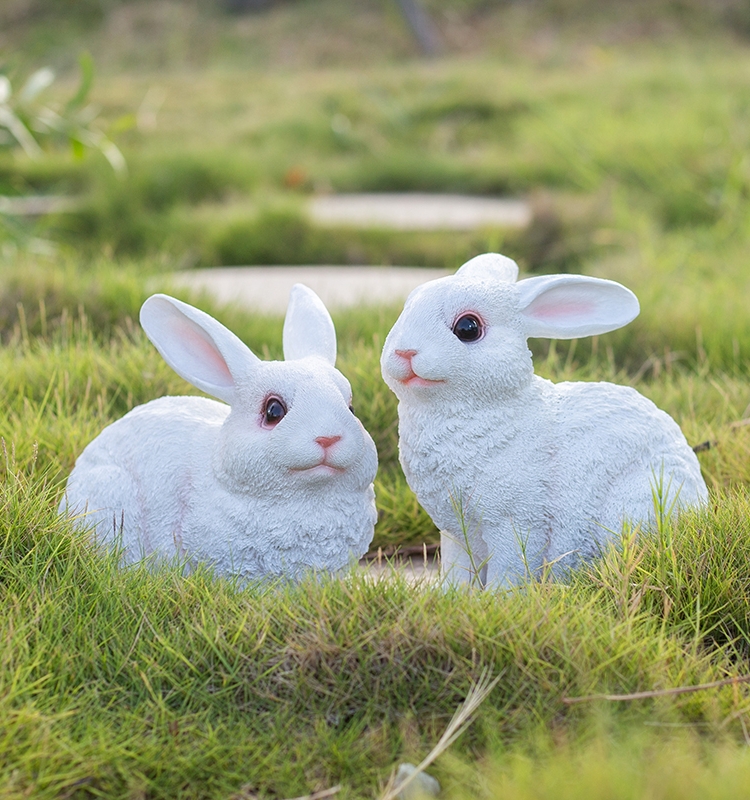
(417,380)
(322,468)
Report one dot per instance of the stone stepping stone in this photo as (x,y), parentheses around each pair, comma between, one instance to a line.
(419,212)
(266,289)
(418,566)
(38,205)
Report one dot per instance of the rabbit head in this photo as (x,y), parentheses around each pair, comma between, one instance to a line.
(291,426)
(464,336)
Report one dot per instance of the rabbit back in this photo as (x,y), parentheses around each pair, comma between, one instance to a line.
(615,453)
(136,482)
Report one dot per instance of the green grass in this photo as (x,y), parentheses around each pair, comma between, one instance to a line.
(625,126)
(121,682)
(135,683)
(659,764)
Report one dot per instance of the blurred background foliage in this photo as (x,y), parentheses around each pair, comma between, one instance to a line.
(625,125)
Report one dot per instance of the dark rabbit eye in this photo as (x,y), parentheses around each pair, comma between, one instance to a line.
(468,328)
(351,408)
(274,411)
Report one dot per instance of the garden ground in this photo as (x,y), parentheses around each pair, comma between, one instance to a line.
(630,140)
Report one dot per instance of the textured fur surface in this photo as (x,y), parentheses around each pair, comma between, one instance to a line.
(213,482)
(516,471)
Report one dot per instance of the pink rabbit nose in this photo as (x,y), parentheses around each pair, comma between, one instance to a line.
(326,441)
(407,354)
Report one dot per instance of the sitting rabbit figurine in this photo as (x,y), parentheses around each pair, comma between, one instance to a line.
(274,481)
(517,471)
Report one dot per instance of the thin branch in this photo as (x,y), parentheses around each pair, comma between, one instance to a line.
(421,25)
(658,692)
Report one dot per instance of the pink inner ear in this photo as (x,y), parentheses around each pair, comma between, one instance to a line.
(560,310)
(200,347)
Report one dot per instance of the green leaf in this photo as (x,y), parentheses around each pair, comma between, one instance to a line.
(124,123)
(86,64)
(20,132)
(79,149)
(36,84)
(5,89)
(112,153)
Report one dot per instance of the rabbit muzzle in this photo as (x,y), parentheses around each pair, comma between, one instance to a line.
(401,367)
(330,461)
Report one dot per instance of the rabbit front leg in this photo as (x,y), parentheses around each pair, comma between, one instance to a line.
(510,556)
(463,558)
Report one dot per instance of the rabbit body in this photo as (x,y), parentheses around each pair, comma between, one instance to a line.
(203,481)
(515,470)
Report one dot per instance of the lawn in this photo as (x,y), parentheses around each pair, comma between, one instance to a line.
(628,132)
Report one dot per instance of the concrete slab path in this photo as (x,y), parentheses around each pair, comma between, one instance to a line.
(266,289)
(419,212)
(417,570)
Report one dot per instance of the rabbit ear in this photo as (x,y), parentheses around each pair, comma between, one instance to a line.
(196,346)
(490,265)
(308,327)
(569,306)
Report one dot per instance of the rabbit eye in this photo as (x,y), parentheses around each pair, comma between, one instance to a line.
(351,408)
(274,411)
(468,328)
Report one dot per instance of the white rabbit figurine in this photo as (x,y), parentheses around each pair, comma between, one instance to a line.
(274,481)
(516,471)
